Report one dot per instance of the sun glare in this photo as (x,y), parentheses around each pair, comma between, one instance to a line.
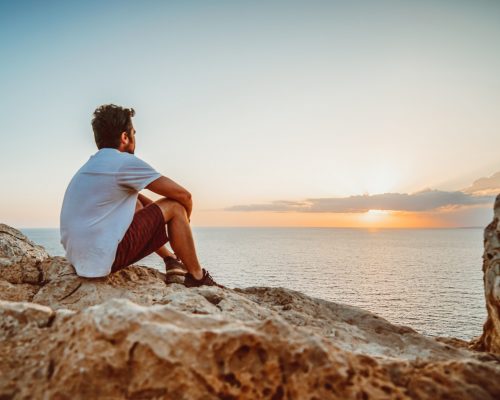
(378,212)
(375,216)
(381,180)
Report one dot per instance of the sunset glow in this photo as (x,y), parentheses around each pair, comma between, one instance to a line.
(366,220)
(375,217)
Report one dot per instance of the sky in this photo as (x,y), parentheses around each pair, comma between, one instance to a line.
(271,113)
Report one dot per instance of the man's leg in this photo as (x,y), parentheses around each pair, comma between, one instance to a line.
(181,237)
(142,202)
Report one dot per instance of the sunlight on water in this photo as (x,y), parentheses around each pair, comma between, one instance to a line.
(430,280)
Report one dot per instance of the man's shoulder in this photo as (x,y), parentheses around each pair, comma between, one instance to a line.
(113,157)
(131,161)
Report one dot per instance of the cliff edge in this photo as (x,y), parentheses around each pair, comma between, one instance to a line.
(490,339)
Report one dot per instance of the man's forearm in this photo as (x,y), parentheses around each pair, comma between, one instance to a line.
(171,190)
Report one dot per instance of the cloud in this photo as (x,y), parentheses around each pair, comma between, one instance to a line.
(484,186)
(277,206)
(426,200)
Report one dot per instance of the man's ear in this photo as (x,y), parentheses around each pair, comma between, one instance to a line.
(124,137)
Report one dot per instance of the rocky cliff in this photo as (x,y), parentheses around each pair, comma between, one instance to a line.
(131,336)
(490,339)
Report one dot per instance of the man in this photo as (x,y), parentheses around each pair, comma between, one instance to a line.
(107,225)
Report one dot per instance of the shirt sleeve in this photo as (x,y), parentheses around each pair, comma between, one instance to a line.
(136,174)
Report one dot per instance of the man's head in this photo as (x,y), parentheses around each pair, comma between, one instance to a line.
(113,128)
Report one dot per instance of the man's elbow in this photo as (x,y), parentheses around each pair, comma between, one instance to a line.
(186,197)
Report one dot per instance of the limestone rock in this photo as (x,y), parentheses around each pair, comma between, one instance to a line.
(122,350)
(62,288)
(20,292)
(19,257)
(351,328)
(490,339)
(20,314)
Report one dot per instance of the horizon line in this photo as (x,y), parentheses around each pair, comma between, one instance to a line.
(303,227)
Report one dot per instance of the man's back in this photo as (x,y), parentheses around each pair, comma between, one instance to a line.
(99,206)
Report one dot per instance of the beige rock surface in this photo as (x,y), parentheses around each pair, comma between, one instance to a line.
(130,336)
(19,257)
(490,339)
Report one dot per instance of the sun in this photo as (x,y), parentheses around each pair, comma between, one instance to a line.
(375,216)
(378,212)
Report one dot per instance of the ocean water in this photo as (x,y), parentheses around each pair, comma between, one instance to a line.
(428,279)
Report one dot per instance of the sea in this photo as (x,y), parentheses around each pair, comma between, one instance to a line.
(428,279)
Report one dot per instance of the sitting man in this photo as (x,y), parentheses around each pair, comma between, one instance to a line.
(107,225)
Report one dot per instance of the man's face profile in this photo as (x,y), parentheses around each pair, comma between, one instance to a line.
(131,142)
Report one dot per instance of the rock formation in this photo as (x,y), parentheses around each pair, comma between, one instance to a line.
(131,336)
(490,339)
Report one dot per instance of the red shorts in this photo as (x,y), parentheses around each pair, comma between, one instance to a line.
(146,234)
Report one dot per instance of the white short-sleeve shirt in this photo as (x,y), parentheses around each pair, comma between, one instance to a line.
(99,206)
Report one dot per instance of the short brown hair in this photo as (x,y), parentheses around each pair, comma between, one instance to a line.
(109,122)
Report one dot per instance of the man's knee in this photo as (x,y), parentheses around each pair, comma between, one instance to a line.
(170,208)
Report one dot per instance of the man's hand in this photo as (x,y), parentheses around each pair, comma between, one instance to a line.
(172,190)
(144,200)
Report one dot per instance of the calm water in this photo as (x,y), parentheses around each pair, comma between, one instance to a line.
(430,280)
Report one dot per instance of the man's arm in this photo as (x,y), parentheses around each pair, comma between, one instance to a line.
(172,190)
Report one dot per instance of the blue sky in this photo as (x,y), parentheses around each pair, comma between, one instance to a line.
(250,103)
